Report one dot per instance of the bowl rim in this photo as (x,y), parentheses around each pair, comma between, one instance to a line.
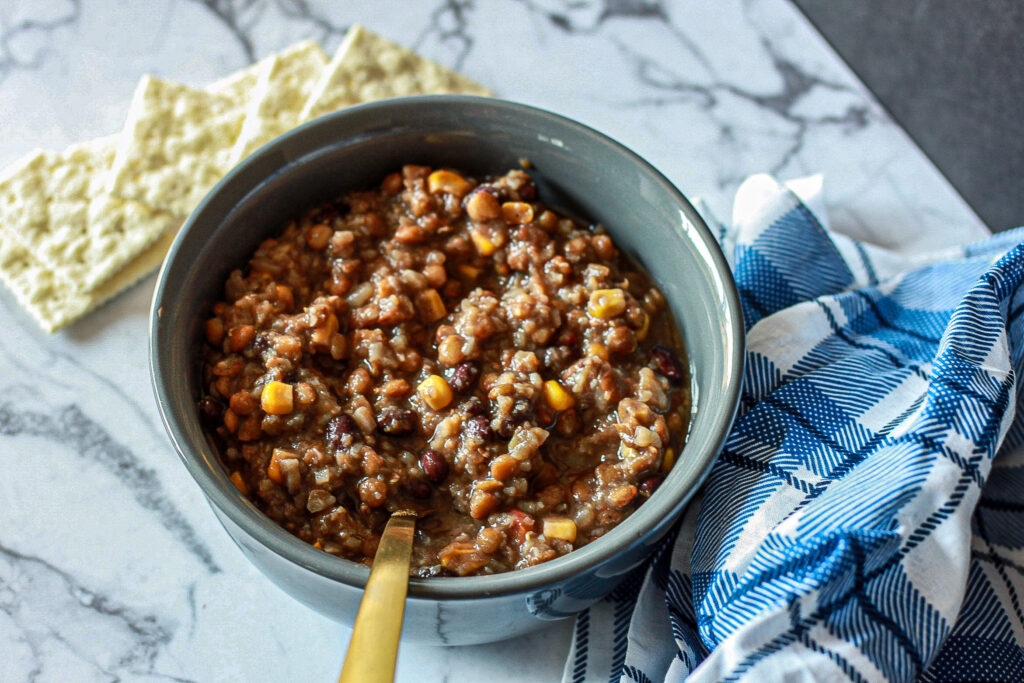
(227,501)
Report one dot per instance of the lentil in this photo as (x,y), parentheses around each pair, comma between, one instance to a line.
(483,206)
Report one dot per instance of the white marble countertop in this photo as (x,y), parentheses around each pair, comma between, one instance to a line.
(112,566)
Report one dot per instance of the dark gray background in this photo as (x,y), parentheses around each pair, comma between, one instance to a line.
(951,72)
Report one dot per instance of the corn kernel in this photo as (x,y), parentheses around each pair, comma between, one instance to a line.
(236,479)
(641,334)
(560,527)
(435,392)
(668,460)
(557,397)
(606,303)
(622,496)
(628,454)
(483,245)
(599,350)
(517,213)
(277,398)
(430,306)
(448,182)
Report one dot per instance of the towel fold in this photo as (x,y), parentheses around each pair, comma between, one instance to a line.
(865,520)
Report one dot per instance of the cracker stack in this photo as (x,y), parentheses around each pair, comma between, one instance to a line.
(80,226)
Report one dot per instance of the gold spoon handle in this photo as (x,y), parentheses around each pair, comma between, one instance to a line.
(374,646)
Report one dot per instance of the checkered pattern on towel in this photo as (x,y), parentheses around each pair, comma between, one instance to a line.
(865,520)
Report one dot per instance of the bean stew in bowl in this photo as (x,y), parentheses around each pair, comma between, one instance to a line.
(387,308)
(452,346)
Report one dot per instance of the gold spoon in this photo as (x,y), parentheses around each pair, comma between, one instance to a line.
(373,649)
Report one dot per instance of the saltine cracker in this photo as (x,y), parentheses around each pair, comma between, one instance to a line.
(175,145)
(367,67)
(75,229)
(285,82)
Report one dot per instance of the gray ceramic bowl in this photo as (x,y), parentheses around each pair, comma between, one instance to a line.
(578,170)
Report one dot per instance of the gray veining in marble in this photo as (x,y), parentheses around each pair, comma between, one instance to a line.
(111,564)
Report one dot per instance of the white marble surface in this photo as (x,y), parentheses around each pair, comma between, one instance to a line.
(112,566)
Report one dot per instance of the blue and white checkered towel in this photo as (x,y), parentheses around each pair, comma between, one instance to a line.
(865,520)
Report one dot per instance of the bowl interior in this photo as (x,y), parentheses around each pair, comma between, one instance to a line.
(577,170)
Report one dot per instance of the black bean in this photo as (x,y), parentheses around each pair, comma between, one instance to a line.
(545,414)
(418,488)
(341,431)
(396,421)
(479,428)
(473,406)
(650,485)
(434,466)
(528,191)
(261,344)
(211,410)
(489,189)
(519,413)
(329,212)
(464,377)
(665,363)
(347,500)
(328,366)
